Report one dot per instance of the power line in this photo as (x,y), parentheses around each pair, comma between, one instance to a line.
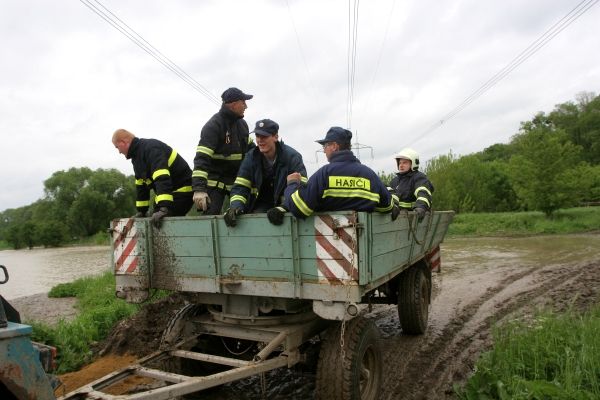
(352,40)
(142,43)
(533,48)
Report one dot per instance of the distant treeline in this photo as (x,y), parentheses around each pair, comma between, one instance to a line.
(552,162)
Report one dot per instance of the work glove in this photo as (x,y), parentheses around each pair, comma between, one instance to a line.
(230,216)
(395,212)
(139,214)
(275,215)
(420,211)
(158,216)
(201,200)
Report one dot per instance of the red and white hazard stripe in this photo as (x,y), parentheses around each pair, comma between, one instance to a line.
(124,236)
(335,242)
(434,259)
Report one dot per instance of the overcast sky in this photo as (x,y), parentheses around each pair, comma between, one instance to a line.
(68,79)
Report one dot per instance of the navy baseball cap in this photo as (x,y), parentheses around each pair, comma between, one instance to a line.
(336,134)
(266,127)
(234,94)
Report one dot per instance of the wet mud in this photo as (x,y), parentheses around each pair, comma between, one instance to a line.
(483,282)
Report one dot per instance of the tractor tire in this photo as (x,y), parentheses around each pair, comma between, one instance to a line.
(414,294)
(359,375)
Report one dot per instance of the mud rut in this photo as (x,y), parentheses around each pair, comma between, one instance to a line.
(466,303)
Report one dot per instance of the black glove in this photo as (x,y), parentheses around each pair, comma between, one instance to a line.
(230,216)
(139,214)
(159,215)
(275,215)
(395,212)
(420,211)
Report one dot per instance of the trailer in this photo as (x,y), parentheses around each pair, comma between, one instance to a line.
(262,295)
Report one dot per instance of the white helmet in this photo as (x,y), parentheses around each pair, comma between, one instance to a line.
(409,154)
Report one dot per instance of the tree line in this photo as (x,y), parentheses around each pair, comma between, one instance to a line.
(552,162)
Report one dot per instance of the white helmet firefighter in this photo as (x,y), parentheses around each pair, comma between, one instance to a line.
(407,159)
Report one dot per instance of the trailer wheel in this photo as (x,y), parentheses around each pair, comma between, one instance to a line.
(413,300)
(360,375)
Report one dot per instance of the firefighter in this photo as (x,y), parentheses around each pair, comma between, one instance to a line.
(158,167)
(261,179)
(411,186)
(223,142)
(343,184)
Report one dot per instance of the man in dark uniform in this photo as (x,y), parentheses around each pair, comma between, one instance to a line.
(412,187)
(158,167)
(223,142)
(343,184)
(261,179)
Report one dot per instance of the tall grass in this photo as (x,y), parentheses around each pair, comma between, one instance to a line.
(555,357)
(571,220)
(99,310)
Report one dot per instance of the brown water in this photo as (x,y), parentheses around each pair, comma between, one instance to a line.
(38,270)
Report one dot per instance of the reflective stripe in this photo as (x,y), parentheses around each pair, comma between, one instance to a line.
(424,200)
(160,172)
(205,150)
(172,158)
(384,209)
(238,198)
(244,182)
(231,157)
(395,199)
(405,204)
(139,182)
(184,189)
(303,179)
(199,174)
(142,203)
(163,197)
(421,188)
(351,193)
(216,184)
(300,204)
(228,187)
(349,182)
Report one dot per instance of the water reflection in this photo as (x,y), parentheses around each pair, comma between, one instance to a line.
(38,270)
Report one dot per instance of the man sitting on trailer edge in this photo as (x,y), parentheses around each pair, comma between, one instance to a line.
(343,184)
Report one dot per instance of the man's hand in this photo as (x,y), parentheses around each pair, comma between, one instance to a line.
(139,214)
(275,215)
(158,216)
(201,200)
(294,177)
(395,212)
(420,211)
(230,216)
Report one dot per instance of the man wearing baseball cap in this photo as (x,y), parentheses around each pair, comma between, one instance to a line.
(261,179)
(343,184)
(223,142)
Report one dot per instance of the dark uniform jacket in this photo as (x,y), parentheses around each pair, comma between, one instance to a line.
(223,142)
(413,190)
(343,184)
(158,167)
(250,177)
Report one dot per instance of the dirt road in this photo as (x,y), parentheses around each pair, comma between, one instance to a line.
(481,283)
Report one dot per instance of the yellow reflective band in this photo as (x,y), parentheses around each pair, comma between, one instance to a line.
(405,205)
(351,193)
(205,150)
(303,179)
(148,181)
(231,157)
(142,203)
(172,158)
(349,182)
(300,204)
(384,209)
(163,197)
(228,187)
(244,182)
(139,182)
(238,198)
(421,188)
(184,189)
(254,191)
(424,200)
(216,184)
(200,174)
(160,172)
(395,199)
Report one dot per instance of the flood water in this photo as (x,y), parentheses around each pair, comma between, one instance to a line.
(38,270)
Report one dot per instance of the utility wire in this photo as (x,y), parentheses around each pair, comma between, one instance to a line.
(352,40)
(533,48)
(137,39)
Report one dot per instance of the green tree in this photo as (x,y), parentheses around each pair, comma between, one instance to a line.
(51,233)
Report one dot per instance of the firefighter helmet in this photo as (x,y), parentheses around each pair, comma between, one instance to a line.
(409,154)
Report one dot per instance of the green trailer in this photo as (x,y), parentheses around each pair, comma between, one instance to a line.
(260,294)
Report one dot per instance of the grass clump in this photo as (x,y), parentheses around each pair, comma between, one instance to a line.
(99,311)
(557,356)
